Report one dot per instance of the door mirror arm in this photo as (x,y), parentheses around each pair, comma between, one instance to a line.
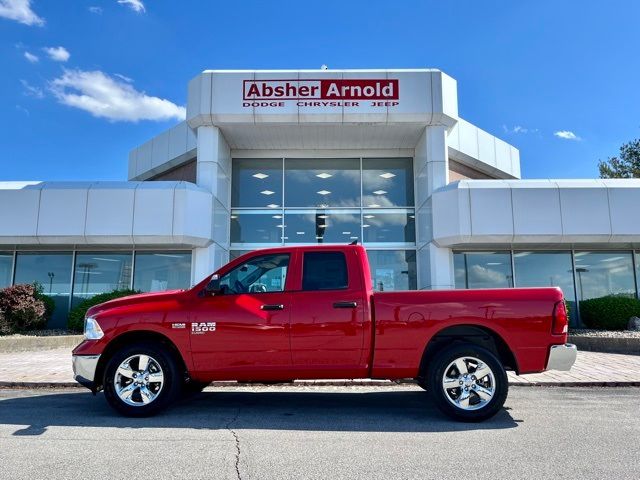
(212,288)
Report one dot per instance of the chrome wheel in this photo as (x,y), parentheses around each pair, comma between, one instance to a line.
(138,380)
(468,383)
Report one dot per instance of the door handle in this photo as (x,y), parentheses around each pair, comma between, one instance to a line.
(272,307)
(345,305)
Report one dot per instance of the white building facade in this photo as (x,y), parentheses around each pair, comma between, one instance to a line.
(269,158)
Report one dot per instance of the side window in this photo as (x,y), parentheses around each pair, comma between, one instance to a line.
(263,274)
(324,271)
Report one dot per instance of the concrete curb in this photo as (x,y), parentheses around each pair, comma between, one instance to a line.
(29,343)
(339,383)
(621,345)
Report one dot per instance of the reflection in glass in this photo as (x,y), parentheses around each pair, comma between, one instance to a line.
(6,264)
(256,182)
(322,226)
(547,269)
(483,270)
(53,272)
(326,182)
(100,272)
(389,226)
(158,271)
(387,182)
(256,226)
(393,269)
(599,274)
(262,274)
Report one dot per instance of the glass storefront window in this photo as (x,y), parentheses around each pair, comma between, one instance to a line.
(387,182)
(100,272)
(6,265)
(157,271)
(393,269)
(322,226)
(326,182)
(53,272)
(256,183)
(599,274)
(483,270)
(256,226)
(547,269)
(384,226)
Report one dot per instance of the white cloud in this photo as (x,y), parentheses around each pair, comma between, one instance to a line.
(518,129)
(96,10)
(566,135)
(20,11)
(31,91)
(135,5)
(57,54)
(31,57)
(109,97)
(20,108)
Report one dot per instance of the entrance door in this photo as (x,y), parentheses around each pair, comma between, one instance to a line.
(327,315)
(242,331)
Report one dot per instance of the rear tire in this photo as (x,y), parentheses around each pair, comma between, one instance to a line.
(141,379)
(467,382)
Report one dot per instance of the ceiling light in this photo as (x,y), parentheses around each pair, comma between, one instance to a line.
(365,225)
(374,205)
(346,233)
(387,175)
(494,263)
(276,216)
(353,238)
(273,205)
(369,216)
(412,216)
(318,238)
(379,192)
(323,216)
(267,192)
(299,233)
(280,226)
(324,175)
(234,216)
(324,192)
(261,176)
(322,226)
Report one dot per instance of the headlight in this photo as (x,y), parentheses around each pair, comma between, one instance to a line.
(92,330)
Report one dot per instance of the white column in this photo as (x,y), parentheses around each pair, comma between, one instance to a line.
(431,169)
(214,174)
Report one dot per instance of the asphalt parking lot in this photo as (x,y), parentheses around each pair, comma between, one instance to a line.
(321,432)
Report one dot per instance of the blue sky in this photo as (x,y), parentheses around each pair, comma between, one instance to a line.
(525,70)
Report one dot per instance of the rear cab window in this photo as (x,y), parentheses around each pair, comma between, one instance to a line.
(324,271)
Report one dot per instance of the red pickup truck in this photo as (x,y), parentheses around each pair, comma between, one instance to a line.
(311,313)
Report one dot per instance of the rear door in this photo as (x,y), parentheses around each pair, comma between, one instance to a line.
(327,312)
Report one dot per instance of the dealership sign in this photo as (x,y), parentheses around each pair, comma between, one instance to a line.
(320,93)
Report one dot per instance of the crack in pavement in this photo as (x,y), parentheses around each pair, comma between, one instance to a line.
(237,442)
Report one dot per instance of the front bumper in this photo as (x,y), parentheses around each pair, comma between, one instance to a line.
(84,370)
(562,357)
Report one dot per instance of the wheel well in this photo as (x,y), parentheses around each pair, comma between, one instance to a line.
(134,337)
(481,336)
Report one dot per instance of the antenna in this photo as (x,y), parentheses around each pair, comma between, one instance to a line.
(355,242)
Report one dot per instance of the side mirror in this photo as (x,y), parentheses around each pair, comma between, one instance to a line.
(213,287)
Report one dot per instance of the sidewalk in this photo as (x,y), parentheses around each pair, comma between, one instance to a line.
(52,368)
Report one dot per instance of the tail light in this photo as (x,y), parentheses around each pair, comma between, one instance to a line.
(560,324)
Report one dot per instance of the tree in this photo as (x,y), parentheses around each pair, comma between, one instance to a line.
(626,165)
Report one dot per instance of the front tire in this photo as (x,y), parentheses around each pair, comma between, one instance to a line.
(467,382)
(141,379)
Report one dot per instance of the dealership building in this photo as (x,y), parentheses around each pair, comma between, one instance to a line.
(298,157)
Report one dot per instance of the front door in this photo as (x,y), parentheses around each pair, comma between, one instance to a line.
(242,331)
(327,315)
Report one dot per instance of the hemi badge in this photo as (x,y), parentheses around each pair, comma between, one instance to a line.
(178,325)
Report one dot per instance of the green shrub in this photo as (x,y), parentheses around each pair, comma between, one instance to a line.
(609,313)
(76,316)
(20,309)
(49,302)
